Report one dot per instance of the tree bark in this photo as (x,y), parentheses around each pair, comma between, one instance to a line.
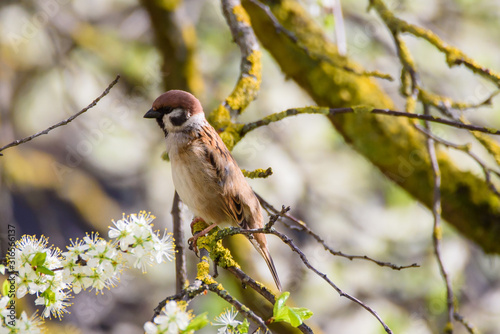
(391,144)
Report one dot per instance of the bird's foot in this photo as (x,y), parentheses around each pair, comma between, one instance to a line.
(193,223)
(193,241)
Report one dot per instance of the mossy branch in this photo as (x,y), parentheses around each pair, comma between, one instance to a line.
(268,229)
(340,63)
(454,56)
(248,84)
(392,144)
(276,117)
(258,173)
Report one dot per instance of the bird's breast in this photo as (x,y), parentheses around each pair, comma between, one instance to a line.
(196,183)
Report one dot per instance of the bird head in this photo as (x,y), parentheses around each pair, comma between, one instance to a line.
(174,110)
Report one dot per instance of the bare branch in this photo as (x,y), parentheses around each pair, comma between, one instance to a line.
(437,231)
(302,226)
(187,294)
(293,247)
(180,256)
(247,313)
(64,122)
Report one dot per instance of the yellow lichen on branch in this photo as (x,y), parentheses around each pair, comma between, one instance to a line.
(241,14)
(454,56)
(258,173)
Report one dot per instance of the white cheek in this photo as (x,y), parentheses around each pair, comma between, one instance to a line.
(167,119)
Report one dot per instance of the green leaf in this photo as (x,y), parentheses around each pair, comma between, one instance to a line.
(243,327)
(302,312)
(280,303)
(44,270)
(293,318)
(38,259)
(197,323)
(293,315)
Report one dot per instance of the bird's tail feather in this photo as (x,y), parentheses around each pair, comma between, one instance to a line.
(269,261)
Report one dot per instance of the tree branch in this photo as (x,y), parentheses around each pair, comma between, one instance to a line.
(180,245)
(64,122)
(248,84)
(269,230)
(302,226)
(437,229)
(358,110)
(454,56)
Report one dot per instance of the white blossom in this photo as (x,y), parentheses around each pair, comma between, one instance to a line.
(227,321)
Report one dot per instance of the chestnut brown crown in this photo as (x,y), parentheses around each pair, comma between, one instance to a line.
(174,99)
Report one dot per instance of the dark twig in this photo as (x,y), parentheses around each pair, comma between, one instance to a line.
(248,281)
(303,257)
(64,122)
(301,226)
(247,313)
(217,288)
(180,254)
(437,231)
(187,294)
(244,279)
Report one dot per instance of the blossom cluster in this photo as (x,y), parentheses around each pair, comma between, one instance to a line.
(90,263)
(10,324)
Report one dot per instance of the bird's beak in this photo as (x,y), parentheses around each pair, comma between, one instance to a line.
(153,114)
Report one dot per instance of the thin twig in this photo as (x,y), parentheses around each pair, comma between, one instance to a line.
(437,230)
(187,294)
(224,294)
(301,226)
(64,122)
(248,281)
(180,254)
(303,257)
(216,288)
(466,149)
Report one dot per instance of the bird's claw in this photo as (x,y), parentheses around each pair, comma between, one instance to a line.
(192,242)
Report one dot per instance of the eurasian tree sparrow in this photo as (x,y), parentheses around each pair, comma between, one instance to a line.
(205,174)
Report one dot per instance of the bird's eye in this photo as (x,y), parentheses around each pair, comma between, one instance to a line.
(165,110)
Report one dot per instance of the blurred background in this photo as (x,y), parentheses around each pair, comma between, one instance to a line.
(56,56)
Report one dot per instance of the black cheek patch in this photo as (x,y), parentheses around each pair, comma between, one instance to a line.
(162,125)
(179,120)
